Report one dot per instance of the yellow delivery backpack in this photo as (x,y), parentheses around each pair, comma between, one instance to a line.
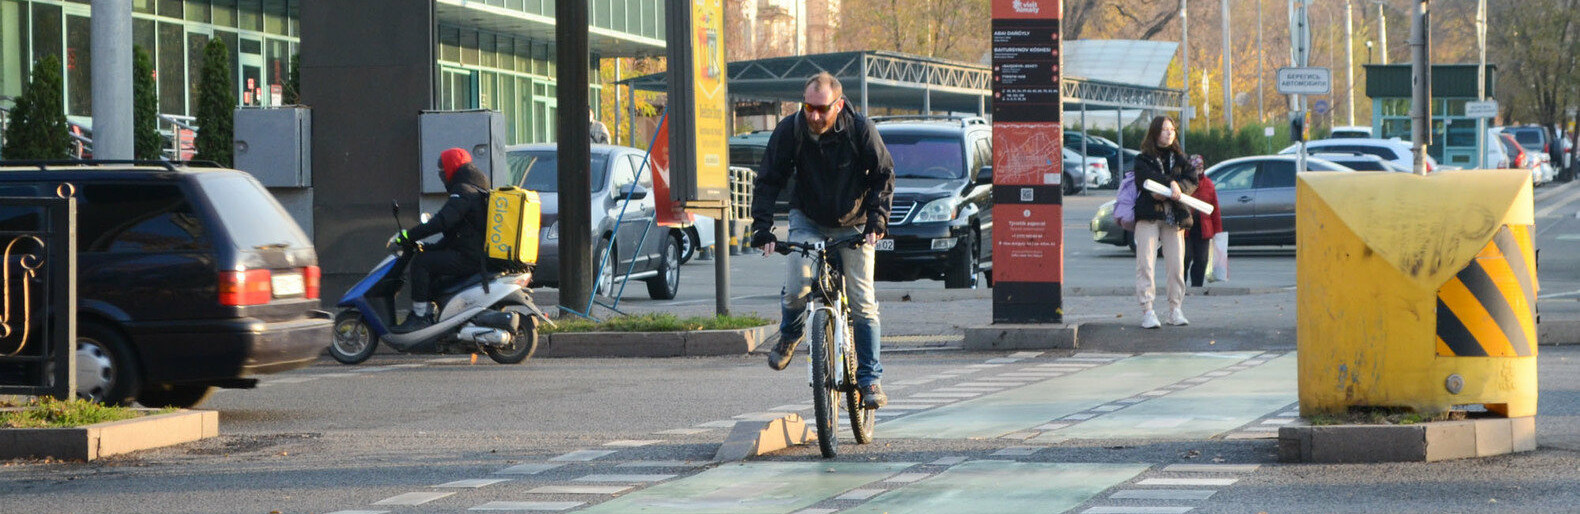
(514,215)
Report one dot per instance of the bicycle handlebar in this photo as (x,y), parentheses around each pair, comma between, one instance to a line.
(785,247)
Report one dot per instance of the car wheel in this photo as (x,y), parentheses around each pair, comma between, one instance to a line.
(1070,186)
(687,237)
(962,272)
(180,396)
(106,371)
(604,285)
(667,283)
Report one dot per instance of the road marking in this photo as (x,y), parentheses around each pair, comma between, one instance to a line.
(1137,510)
(582,455)
(794,407)
(989,365)
(1025,355)
(635,477)
(662,464)
(726,423)
(356,511)
(947,461)
(1204,411)
(1278,421)
(1079,417)
(631,443)
(1003,360)
(529,469)
(1163,494)
(1052,426)
(1003,486)
(1548,210)
(549,506)
(473,483)
(753,487)
(1107,408)
(945,395)
(993,385)
(1022,436)
(859,494)
(1211,468)
(579,489)
(1215,482)
(1018,451)
(412,498)
(684,431)
(905,478)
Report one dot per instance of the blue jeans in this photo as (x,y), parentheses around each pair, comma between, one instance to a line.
(859,291)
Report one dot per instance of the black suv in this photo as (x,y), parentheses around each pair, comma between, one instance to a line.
(942,222)
(187,278)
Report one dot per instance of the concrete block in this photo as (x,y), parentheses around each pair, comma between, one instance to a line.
(1021,337)
(724,342)
(1523,430)
(1493,437)
(105,439)
(1367,443)
(1294,444)
(613,344)
(1450,440)
(753,438)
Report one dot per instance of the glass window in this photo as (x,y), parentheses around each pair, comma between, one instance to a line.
(274,17)
(136,218)
(224,13)
(145,34)
(195,44)
(1234,177)
(919,156)
(249,214)
(486,49)
(621,177)
(47,38)
(198,11)
(14,217)
(172,70)
(143,6)
(79,66)
(538,170)
(450,44)
(644,176)
(294,18)
(13,47)
(469,47)
(170,8)
(1279,173)
(249,15)
(600,14)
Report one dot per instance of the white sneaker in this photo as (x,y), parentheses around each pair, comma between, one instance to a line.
(1177,318)
(1149,320)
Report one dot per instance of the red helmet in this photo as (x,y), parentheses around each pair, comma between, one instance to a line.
(451,160)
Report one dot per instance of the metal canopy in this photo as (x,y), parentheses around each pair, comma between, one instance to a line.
(895,80)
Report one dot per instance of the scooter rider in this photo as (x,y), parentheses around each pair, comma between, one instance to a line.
(461,220)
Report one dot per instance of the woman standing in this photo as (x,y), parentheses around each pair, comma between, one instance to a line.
(1198,240)
(1161,219)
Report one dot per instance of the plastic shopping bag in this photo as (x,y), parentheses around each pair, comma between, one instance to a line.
(1218,261)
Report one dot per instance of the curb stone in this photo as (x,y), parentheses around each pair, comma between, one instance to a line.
(105,439)
(1420,442)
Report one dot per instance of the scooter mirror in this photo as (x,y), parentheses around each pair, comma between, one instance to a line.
(395,208)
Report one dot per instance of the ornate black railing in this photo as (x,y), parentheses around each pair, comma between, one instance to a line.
(38,297)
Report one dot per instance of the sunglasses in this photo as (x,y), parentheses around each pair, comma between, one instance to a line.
(819,109)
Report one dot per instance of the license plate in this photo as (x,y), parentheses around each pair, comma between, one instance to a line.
(885,244)
(289,284)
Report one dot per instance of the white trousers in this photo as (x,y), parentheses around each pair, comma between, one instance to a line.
(1150,234)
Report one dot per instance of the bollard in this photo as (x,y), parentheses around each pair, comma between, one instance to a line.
(1416,291)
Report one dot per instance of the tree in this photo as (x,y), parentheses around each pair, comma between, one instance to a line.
(146,142)
(38,118)
(946,29)
(216,105)
(1536,55)
(293,81)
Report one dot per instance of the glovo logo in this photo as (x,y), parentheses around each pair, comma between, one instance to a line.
(498,214)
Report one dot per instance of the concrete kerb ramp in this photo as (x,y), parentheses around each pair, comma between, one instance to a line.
(1416,292)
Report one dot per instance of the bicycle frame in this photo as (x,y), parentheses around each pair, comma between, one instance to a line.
(828,294)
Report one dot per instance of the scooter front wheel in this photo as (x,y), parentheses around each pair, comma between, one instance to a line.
(353,340)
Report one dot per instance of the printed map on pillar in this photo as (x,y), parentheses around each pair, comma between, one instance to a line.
(1028,240)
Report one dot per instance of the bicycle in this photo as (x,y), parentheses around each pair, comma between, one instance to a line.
(832,365)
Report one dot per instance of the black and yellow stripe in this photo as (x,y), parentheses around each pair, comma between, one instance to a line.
(1488,309)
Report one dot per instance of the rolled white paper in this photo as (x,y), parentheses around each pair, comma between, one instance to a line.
(1189,201)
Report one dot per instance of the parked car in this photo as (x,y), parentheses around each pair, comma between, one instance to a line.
(1256,196)
(1391,149)
(187,279)
(1535,139)
(1498,157)
(746,151)
(622,216)
(1354,131)
(1361,162)
(1082,173)
(1105,149)
(942,221)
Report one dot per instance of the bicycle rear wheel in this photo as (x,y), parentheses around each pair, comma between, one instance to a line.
(821,337)
(861,419)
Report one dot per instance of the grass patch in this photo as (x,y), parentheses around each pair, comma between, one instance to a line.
(1382,416)
(48,412)
(656,322)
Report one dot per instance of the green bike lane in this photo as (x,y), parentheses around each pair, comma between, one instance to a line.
(1204,395)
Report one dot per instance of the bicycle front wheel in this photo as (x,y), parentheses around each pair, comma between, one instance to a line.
(821,336)
(861,419)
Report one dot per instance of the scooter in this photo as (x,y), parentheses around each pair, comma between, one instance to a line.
(488,313)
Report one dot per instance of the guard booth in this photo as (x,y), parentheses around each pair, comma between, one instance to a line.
(1453,134)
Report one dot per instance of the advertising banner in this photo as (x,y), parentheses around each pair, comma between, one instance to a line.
(711,102)
(1028,162)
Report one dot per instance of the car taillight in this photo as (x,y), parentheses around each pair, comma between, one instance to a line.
(311,278)
(249,287)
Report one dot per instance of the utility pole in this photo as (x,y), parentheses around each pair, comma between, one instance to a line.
(1299,56)
(1228,71)
(1185,113)
(1481,82)
(1382,31)
(575,151)
(111,72)
(1349,58)
(1261,116)
(1421,81)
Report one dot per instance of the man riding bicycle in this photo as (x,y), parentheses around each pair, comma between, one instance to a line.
(844,184)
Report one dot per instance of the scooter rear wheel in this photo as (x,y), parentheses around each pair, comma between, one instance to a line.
(523,343)
(353,341)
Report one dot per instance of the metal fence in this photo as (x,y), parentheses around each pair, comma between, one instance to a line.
(38,303)
(741,180)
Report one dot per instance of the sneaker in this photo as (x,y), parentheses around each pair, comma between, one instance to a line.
(413,323)
(1177,318)
(779,359)
(872,396)
(1149,320)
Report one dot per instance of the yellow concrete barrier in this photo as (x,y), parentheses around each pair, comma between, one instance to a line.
(1416,292)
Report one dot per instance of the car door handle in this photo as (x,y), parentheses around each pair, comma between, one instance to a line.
(1245,199)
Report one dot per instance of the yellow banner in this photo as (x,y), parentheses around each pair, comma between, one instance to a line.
(712,102)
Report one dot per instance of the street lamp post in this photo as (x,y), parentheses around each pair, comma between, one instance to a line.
(1369,52)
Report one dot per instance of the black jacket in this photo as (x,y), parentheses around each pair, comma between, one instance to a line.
(1167,168)
(461,220)
(843,179)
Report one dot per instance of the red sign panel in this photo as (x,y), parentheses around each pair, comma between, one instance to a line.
(670,213)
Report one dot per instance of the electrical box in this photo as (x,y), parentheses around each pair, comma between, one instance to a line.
(275,145)
(481,132)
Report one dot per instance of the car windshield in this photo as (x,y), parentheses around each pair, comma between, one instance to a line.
(538,170)
(1527,138)
(249,213)
(926,156)
(1365,149)
(1362,164)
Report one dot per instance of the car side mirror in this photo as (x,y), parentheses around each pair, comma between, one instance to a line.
(634,193)
(985,175)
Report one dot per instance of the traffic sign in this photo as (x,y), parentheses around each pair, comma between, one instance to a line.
(1487,109)
(1321,106)
(1305,81)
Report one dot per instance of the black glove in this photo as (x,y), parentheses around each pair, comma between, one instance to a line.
(761,238)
